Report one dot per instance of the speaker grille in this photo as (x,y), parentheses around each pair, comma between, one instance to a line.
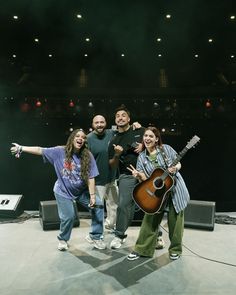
(200,214)
(48,215)
(11,206)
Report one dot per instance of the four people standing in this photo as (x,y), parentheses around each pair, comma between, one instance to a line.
(76,169)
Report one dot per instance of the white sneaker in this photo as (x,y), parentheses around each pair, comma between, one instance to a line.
(88,239)
(133,256)
(62,245)
(174,256)
(116,243)
(99,244)
(160,243)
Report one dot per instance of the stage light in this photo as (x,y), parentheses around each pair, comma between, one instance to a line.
(71,104)
(208,104)
(38,103)
(90,105)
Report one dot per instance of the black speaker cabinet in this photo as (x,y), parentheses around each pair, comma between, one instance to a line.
(11,206)
(138,216)
(200,214)
(48,215)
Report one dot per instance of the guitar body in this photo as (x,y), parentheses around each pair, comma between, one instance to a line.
(151,195)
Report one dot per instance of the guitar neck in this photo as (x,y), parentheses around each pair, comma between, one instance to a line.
(179,156)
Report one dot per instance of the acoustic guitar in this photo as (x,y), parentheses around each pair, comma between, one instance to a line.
(152,194)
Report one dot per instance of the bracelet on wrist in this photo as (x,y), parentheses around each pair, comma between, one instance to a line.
(19,151)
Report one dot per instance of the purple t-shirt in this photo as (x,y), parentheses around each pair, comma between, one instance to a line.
(69,183)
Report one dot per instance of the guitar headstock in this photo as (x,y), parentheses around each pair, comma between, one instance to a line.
(193,142)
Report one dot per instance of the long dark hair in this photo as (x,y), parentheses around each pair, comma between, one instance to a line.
(83,153)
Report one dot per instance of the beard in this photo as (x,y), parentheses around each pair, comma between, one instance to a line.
(100,130)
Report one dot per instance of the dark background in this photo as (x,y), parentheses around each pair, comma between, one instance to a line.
(208,169)
(184,83)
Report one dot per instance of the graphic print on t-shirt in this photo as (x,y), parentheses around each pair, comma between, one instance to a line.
(70,171)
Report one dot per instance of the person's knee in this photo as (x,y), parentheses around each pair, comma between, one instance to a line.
(69,218)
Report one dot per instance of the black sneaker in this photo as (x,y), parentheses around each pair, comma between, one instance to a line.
(133,256)
(174,256)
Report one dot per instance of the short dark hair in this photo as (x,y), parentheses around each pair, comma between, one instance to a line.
(122,108)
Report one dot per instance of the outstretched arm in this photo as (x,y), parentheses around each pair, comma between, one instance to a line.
(17,149)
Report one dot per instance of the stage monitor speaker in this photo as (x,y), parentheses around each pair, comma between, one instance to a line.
(200,214)
(48,215)
(138,216)
(11,206)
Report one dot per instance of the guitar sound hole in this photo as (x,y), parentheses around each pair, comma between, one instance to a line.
(158,183)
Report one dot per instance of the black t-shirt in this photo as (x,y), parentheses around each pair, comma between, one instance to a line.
(127,140)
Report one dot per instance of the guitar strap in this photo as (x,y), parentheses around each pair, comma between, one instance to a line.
(166,162)
(164,156)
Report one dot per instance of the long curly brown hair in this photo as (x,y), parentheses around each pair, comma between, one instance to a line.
(83,153)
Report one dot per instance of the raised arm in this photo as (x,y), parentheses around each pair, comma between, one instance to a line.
(17,149)
(137,174)
(114,162)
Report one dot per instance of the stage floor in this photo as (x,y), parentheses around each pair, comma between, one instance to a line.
(32,265)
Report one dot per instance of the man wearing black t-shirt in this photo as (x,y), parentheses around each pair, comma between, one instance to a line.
(123,150)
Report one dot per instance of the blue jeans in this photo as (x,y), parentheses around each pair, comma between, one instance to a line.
(66,213)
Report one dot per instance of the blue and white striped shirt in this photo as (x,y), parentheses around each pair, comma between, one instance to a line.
(180,195)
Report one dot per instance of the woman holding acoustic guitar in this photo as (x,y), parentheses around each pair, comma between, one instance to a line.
(162,189)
